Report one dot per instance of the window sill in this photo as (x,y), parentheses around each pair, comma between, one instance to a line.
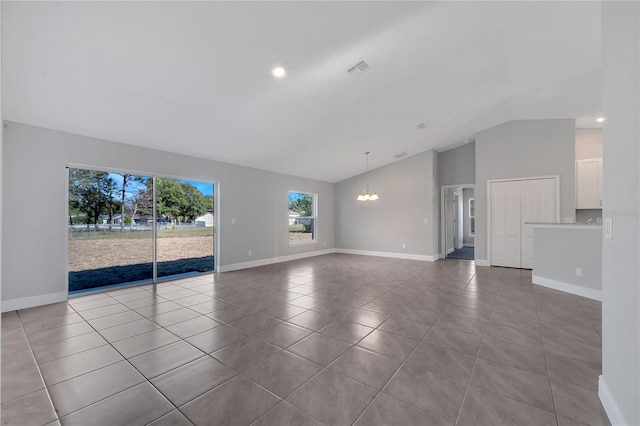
(302,243)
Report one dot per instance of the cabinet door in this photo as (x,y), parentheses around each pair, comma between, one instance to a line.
(589,183)
(505,224)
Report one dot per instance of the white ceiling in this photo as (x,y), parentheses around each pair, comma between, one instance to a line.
(195,77)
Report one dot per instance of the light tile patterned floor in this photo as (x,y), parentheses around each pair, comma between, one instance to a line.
(334,339)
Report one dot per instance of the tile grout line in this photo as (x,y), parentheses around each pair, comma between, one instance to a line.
(124,359)
(546,361)
(33,357)
(328,365)
(475,361)
(406,359)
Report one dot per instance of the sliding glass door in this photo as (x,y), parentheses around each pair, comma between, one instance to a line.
(123,229)
(186,226)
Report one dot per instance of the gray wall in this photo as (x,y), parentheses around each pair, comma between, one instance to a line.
(524,148)
(621,202)
(578,246)
(458,166)
(34,208)
(467,193)
(434,234)
(407,191)
(588,143)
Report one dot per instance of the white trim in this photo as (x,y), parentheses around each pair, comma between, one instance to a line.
(30,302)
(451,250)
(389,254)
(609,404)
(578,290)
(482,262)
(271,260)
(468,244)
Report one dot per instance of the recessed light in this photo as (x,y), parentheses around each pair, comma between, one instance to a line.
(601,119)
(278,72)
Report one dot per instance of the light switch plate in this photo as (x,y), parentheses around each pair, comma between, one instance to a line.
(608,228)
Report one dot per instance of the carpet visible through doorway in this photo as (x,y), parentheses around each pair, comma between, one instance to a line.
(465,253)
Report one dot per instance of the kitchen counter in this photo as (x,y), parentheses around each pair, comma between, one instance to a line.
(565,225)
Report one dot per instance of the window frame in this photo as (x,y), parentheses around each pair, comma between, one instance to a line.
(313,218)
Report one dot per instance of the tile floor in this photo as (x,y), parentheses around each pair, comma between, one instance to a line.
(335,340)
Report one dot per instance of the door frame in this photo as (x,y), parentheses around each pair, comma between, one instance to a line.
(488,203)
(443,230)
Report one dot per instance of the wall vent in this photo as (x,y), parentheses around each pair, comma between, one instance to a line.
(402,154)
(421,126)
(358,68)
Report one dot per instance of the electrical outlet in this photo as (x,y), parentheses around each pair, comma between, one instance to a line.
(233,220)
(404,246)
(579,271)
(608,228)
(426,220)
(250,252)
(325,243)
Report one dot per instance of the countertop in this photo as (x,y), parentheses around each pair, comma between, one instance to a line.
(565,225)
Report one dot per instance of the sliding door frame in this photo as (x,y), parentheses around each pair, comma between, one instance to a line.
(154,176)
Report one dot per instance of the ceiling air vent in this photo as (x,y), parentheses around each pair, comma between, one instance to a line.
(402,154)
(421,126)
(358,68)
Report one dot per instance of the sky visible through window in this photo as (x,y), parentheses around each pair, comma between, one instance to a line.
(205,188)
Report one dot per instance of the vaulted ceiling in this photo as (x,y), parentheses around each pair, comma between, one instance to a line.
(195,77)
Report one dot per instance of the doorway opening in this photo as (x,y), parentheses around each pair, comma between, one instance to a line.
(128,228)
(457,234)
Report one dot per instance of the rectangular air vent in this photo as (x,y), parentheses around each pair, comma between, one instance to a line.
(358,68)
(402,154)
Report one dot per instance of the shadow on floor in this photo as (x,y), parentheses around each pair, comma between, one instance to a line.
(93,278)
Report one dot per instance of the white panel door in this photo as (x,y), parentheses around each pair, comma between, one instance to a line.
(538,204)
(505,224)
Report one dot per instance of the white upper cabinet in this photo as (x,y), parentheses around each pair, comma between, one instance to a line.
(589,183)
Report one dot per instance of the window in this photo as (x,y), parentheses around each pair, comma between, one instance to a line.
(472,217)
(302,217)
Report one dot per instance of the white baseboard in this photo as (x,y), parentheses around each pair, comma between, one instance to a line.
(589,293)
(469,244)
(482,262)
(30,302)
(271,260)
(615,415)
(389,254)
(451,250)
